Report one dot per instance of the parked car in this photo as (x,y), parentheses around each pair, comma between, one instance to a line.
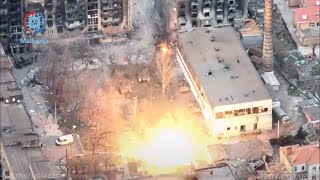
(65,139)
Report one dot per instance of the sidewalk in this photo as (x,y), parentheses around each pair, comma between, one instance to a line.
(287,15)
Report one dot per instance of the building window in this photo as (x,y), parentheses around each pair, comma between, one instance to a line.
(243,128)
(219,115)
(249,110)
(255,110)
(295,169)
(255,126)
(50,31)
(318,24)
(265,110)
(228,128)
(311,25)
(302,168)
(228,112)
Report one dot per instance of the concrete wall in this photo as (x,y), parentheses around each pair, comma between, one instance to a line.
(284,160)
(314,171)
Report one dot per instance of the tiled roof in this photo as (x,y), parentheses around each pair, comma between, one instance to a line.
(307,14)
(308,154)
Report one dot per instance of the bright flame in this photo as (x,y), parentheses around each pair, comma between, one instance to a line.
(165,147)
(164,47)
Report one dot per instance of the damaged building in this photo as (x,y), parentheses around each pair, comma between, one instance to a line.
(11,24)
(227,87)
(188,14)
(21,156)
(94,19)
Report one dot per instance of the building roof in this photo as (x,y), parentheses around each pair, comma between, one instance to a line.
(15,124)
(308,103)
(308,154)
(307,14)
(7,82)
(217,172)
(234,78)
(312,113)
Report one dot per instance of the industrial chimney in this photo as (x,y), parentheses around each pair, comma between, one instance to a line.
(267,63)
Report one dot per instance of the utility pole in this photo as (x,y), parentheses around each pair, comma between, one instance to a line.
(55,112)
(67,168)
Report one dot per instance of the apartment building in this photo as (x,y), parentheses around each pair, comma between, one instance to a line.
(94,19)
(306,21)
(223,80)
(11,25)
(188,14)
(302,160)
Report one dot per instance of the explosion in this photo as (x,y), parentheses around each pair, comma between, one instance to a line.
(174,142)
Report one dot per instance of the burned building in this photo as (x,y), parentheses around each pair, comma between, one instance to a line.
(74,14)
(11,12)
(187,14)
(54,13)
(90,18)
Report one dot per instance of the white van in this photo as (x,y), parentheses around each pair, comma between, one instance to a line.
(65,139)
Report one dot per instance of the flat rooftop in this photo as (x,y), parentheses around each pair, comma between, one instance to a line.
(15,123)
(219,172)
(222,66)
(15,118)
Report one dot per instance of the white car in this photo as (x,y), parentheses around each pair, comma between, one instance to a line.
(65,140)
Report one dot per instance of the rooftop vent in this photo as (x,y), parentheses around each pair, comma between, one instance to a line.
(304,17)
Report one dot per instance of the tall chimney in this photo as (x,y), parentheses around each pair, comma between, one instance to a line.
(267,63)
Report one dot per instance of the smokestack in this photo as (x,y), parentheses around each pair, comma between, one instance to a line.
(267,63)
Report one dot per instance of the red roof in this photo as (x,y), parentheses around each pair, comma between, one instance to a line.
(309,14)
(308,154)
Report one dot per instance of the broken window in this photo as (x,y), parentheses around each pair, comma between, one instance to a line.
(228,128)
(194,23)
(206,14)
(219,115)
(219,21)
(243,128)
(194,14)
(231,2)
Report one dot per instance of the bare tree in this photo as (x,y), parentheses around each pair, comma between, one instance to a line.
(80,50)
(164,66)
(95,139)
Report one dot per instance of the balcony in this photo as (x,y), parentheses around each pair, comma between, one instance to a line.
(3,12)
(73,24)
